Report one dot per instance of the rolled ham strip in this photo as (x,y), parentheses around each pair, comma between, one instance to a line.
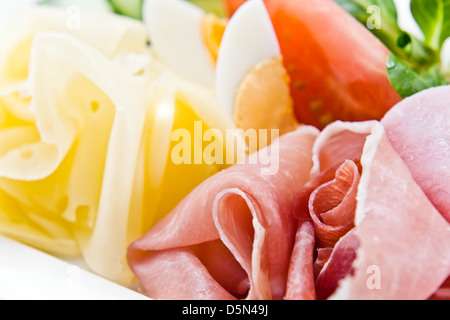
(330,201)
(325,209)
(419,130)
(241,215)
(400,245)
(301,285)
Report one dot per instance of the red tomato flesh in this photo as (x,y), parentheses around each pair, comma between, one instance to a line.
(337,67)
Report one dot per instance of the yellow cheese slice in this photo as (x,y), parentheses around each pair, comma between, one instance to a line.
(99,131)
(108,33)
(85,165)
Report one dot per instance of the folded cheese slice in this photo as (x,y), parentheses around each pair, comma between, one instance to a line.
(107,33)
(71,174)
(89,168)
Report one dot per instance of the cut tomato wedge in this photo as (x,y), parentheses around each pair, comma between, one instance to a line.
(337,67)
(233,5)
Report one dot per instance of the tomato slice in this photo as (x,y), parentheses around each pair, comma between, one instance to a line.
(337,67)
(232,6)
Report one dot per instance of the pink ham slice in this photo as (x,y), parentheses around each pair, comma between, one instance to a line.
(443,293)
(325,208)
(338,267)
(330,201)
(323,255)
(419,130)
(300,283)
(238,214)
(400,246)
(168,271)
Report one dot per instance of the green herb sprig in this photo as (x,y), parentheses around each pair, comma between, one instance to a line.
(414,64)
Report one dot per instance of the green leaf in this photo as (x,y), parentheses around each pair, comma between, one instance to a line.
(130,8)
(402,44)
(133,8)
(413,65)
(97,5)
(433,17)
(359,9)
(407,81)
(379,16)
(387,30)
(216,7)
(416,52)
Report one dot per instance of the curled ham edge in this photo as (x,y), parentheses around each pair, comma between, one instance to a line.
(248,213)
(325,210)
(396,232)
(411,268)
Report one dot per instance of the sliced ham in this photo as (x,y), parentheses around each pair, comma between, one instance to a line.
(323,255)
(400,245)
(168,272)
(325,208)
(301,284)
(338,267)
(330,201)
(223,266)
(358,211)
(443,293)
(239,214)
(419,130)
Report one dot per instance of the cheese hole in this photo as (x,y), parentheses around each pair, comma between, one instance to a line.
(94,106)
(82,213)
(140,72)
(26,154)
(62,203)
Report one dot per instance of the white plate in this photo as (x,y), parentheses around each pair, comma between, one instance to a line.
(29,274)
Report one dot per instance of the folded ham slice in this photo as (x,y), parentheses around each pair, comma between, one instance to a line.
(419,130)
(367,222)
(325,208)
(330,201)
(400,245)
(240,215)
(443,293)
(300,283)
